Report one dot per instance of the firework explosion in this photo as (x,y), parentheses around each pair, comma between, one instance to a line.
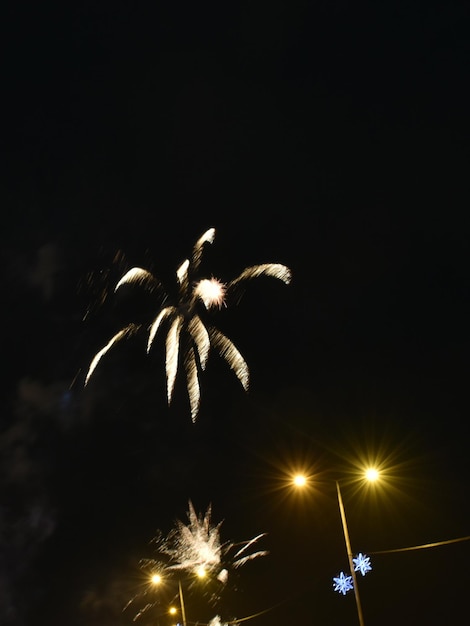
(182,320)
(195,548)
(194,551)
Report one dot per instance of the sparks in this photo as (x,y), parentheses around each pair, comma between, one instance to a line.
(183,319)
(196,547)
(193,550)
(211,292)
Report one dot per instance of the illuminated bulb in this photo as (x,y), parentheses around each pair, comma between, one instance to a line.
(372,474)
(300,480)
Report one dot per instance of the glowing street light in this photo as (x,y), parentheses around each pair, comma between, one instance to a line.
(371,474)
(299,480)
(156,579)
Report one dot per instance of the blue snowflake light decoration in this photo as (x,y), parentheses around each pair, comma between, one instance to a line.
(362,564)
(343,583)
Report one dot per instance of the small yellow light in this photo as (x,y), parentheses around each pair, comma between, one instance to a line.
(172,610)
(372,474)
(299,480)
(156,579)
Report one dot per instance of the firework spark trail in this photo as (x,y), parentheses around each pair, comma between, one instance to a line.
(201,338)
(140,276)
(182,319)
(125,332)
(192,382)
(166,312)
(231,354)
(207,237)
(276,270)
(172,352)
(241,561)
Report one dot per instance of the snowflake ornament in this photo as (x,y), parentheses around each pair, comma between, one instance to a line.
(362,564)
(343,583)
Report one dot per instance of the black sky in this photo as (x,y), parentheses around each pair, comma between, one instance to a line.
(331,137)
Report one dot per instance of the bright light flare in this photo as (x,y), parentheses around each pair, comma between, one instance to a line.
(299,480)
(372,474)
(156,579)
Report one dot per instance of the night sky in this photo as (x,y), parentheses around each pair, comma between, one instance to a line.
(330,137)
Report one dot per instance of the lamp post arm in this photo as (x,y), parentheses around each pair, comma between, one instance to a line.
(350,557)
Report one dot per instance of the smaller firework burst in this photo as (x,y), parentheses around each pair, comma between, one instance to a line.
(193,551)
(195,547)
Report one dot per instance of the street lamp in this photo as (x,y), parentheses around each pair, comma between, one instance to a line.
(183,610)
(371,474)
(156,579)
(350,557)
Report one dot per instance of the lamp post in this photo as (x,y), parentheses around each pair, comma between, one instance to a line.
(156,579)
(183,611)
(350,556)
(371,475)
